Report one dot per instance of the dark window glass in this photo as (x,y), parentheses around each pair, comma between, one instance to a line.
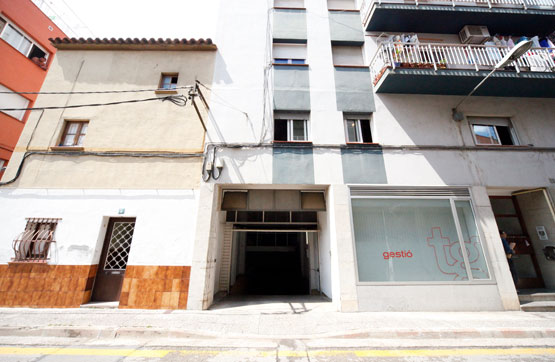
(276,216)
(280,61)
(249,216)
(504,135)
(297,61)
(230,216)
(304,216)
(280,130)
(365,128)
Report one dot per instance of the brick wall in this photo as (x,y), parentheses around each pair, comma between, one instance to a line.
(155,287)
(46,286)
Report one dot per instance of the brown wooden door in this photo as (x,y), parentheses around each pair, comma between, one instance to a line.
(113,260)
(509,219)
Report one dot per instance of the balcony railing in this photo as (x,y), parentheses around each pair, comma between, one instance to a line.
(518,4)
(32,246)
(455,56)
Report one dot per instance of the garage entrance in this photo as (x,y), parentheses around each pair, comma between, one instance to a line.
(270,263)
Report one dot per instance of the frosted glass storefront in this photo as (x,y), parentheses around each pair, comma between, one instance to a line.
(400,240)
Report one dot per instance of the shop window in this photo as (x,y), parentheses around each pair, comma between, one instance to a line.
(74,133)
(358,130)
(13,100)
(417,240)
(290,128)
(23,44)
(294,54)
(493,131)
(33,244)
(168,81)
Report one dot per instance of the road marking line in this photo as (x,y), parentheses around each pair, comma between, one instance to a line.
(154,353)
(84,352)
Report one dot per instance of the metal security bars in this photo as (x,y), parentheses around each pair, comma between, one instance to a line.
(455,56)
(33,244)
(120,245)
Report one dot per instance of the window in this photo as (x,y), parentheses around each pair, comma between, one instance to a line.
(12,100)
(289,3)
(290,128)
(168,81)
(33,244)
(74,133)
(358,130)
(289,53)
(23,44)
(347,55)
(493,131)
(417,240)
(342,4)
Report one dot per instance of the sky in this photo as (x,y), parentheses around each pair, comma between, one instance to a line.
(134,18)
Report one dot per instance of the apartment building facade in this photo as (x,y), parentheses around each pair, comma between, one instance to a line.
(332,163)
(26,57)
(99,202)
(344,171)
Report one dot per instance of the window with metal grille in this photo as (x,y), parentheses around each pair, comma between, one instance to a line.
(33,244)
(74,133)
(120,246)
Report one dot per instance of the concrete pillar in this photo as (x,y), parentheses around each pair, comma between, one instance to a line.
(342,248)
(499,267)
(203,268)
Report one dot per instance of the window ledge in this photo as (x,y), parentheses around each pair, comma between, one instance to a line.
(362,145)
(350,66)
(292,143)
(290,65)
(287,8)
(346,10)
(67,148)
(165,91)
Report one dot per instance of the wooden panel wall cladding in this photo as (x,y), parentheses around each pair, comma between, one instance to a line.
(155,287)
(45,286)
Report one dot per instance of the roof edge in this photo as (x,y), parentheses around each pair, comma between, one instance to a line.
(133,44)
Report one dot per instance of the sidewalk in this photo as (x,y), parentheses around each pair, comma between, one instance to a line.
(272,318)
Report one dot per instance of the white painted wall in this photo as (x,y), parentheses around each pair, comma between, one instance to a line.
(164,229)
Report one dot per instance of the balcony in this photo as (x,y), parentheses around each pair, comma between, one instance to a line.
(530,17)
(454,69)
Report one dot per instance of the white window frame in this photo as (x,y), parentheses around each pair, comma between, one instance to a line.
(2,163)
(452,199)
(493,122)
(358,128)
(290,118)
(24,34)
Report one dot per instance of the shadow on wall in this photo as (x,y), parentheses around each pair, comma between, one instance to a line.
(426,121)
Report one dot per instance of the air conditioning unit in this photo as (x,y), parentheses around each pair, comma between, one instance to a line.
(474,34)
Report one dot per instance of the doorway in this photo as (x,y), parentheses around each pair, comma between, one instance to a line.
(510,217)
(113,260)
(271,263)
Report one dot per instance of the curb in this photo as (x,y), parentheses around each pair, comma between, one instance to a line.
(151,333)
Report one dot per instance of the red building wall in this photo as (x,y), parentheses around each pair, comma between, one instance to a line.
(17,72)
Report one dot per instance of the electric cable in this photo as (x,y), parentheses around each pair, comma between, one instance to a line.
(179,100)
(101,92)
(99,154)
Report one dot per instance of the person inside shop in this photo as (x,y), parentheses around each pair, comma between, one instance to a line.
(509,252)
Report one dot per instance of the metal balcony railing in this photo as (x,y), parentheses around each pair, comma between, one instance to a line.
(517,4)
(32,246)
(456,56)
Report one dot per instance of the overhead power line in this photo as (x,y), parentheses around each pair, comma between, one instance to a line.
(177,100)
(101,92)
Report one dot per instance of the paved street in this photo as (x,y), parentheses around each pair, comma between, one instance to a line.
(111,354)
(272,329)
